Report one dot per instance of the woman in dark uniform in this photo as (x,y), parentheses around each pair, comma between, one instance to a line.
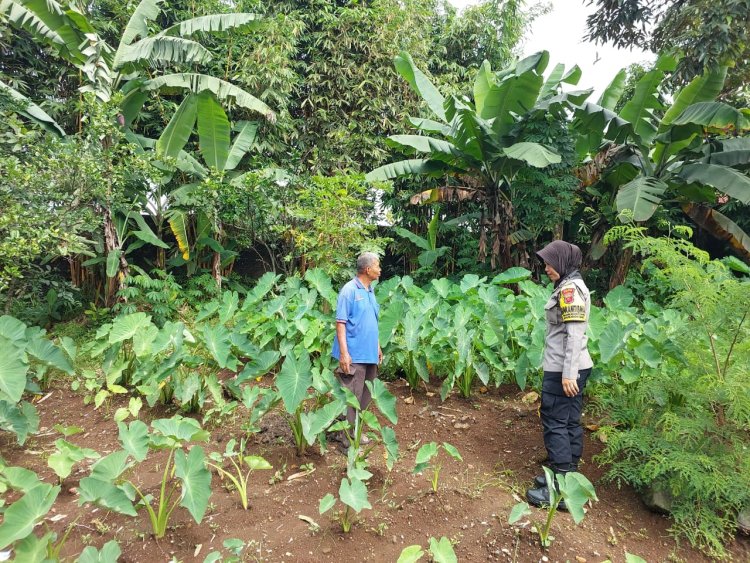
(567,364)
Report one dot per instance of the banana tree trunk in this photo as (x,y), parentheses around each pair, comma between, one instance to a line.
(216,269)
(497,226)
(621,269)
(111,243)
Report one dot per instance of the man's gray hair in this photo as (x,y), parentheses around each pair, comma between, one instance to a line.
(365,260)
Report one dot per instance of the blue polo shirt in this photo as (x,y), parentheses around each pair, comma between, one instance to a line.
(358,308)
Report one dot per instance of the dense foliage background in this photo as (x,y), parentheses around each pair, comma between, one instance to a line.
(163,163)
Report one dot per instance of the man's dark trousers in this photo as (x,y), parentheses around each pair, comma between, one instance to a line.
(355,382)
(561,421)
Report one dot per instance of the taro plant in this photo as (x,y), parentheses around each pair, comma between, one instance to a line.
(353,488)
(242,466)
(26,358)
(440,550)
(66,455)
(185,479)
(109,553)
(427,460)
(574,488)
(20,517)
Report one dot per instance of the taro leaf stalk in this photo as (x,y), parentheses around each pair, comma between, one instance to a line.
(242,465)
(479,147)
(427,459)
(574,488)
(109,488)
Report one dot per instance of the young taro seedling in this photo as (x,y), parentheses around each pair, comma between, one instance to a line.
(242,465)
(66,456)
(425,461)
(575,489)
(353,488)
(441,551)
(187,473)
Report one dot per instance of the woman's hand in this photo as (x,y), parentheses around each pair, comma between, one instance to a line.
(570,387)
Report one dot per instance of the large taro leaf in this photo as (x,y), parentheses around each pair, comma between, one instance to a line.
(134,438)
(12,329)
(642,196)
(353,493)
(20,479)
(13,368)
(294,379)
(577,491)
(383,399)
(258,366)
(217,341)
(33,549)
(512,275)
(388,321)
(105,494)
(315,422)
(49,354)
(127,326)
(21,516)
(612,340)
(195,481)
(321,281)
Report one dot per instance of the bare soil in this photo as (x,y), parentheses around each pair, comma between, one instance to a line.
(497,433)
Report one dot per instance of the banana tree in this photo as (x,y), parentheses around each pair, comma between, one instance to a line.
(194,219)
(479,147)
(695,155)
(133,67)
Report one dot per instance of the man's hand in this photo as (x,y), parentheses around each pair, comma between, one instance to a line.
(345,362)
(380,355)
(570,387)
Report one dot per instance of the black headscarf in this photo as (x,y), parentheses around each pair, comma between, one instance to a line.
(564,257)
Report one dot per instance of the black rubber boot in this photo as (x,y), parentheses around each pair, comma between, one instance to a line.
(540,498)
(541,480)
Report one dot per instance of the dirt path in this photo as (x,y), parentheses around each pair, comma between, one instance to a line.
(497,434)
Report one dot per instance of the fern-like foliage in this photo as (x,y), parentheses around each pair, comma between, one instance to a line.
(684,428)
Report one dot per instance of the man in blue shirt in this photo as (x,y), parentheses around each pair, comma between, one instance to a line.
(356,345)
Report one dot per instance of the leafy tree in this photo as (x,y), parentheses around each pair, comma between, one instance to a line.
(709,34)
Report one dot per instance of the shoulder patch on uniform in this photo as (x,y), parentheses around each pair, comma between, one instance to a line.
(572,304)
